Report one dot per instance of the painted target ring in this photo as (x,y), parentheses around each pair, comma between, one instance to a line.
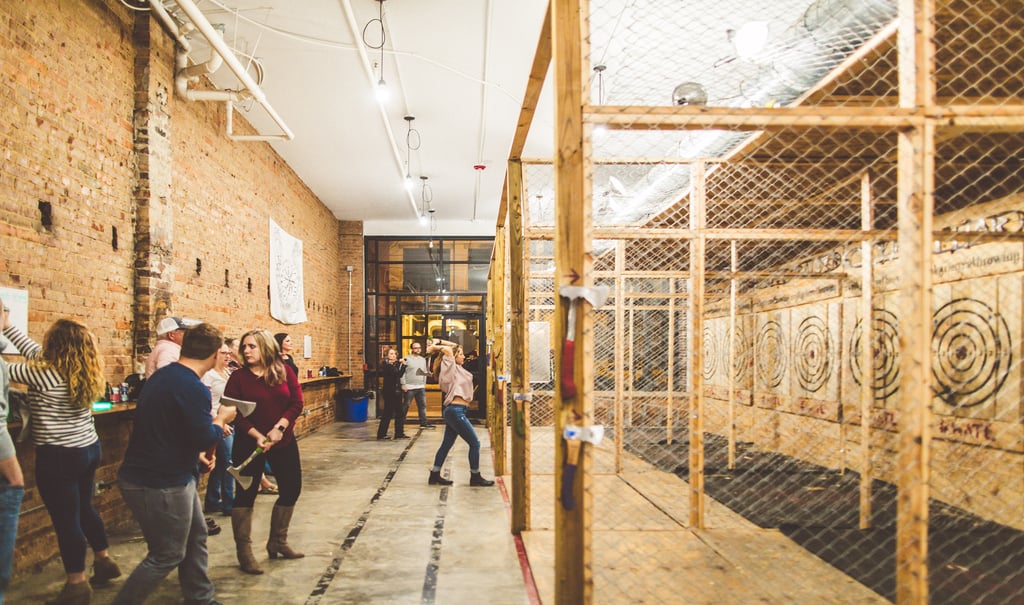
(742,356)
(971,349)
(771,354)
(710,353)
(885,353)
(812,354)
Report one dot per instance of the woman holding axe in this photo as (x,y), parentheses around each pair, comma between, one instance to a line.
(265,379)
(457,384)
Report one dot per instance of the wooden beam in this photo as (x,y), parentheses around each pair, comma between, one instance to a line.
(916,149)
(519,352)
(574,580)
(695,342)
(867,357)
(495,387)
(538,73)
(756,118)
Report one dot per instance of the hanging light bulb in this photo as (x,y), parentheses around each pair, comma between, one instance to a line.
(600,130)
(409,183)
(382,89)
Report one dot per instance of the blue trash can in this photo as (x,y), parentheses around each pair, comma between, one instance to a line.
(352,406)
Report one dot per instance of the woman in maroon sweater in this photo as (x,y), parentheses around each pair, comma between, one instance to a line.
(263,378)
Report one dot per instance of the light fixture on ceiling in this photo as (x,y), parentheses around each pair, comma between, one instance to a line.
(749,40)
(412,141)
(382,88)
(426,211)
(600,129)
(689,93)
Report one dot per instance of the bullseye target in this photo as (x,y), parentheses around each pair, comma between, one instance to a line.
(971,351)
(710,353)
(771,354)
(885,353)
(742,355)
(813,353)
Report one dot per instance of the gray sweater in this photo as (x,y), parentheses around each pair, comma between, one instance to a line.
(415,375)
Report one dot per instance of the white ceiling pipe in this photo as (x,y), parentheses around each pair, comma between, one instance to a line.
(221,48)
(170,24)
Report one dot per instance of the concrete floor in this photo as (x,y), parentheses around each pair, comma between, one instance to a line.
(372,530)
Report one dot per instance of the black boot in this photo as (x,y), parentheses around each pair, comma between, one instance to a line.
(437,479)
(477,480)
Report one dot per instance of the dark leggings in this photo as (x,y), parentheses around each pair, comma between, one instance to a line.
(284,461)
(64,476)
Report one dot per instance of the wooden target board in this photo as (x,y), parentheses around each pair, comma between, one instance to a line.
(814,351)
(771,352)
(976,329)
(885,351)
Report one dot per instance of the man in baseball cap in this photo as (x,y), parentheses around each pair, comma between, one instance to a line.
(168,344)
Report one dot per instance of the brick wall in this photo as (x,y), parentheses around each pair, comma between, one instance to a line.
(90,125)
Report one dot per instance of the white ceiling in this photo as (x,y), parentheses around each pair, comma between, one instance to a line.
(460,67)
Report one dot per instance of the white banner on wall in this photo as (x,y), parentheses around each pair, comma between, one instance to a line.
(287,299)
(17,301)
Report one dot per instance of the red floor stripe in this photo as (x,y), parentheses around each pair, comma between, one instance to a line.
(524,560)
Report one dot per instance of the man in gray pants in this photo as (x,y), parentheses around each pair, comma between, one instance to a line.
(414,383)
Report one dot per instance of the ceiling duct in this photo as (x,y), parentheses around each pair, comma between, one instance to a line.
(827,33)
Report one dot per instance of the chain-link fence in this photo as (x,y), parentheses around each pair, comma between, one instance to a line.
(746,246)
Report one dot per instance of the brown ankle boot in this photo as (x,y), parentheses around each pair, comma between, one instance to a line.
(104,569)
(241,526)
(79,593)
(277,544)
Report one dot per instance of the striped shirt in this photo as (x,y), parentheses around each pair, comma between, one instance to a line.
(53,420)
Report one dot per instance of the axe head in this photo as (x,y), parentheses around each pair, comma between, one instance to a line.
(590,434)
(243,480)
(244,407)
(595,295)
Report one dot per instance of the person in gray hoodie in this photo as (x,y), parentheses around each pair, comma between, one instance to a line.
(12,482)
(414,383)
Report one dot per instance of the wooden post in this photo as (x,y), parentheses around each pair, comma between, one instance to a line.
(496,376)
(574,581)
(867,356)
(519,351)
(696,343)
(620,340)
(915,204)
(669,365)
(731,373)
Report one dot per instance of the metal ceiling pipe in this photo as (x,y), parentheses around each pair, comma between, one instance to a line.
(204,27)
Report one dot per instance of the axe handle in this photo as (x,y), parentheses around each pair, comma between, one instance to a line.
(569,354)
(572,450)
(252,456)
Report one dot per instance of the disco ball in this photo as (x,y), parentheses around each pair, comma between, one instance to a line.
(689,93)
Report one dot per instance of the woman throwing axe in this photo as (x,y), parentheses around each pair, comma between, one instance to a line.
(457,384)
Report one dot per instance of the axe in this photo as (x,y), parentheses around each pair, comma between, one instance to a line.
(595,295)
(243,407)
(574,438)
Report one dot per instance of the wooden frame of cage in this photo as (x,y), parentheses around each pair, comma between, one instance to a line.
(918,118)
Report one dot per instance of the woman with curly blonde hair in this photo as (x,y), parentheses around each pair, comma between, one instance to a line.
(64,376)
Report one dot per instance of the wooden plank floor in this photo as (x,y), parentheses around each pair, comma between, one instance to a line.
(645,552)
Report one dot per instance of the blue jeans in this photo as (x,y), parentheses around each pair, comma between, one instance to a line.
(64,476)
(220,488)
(171,519)
(457,425)
(421,403)
(10,506)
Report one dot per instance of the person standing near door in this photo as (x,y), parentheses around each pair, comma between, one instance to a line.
(414,383)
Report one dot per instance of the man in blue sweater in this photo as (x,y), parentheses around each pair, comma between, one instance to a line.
(12,481)
(173,429)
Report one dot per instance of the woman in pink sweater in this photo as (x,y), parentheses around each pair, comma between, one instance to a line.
(457,384)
